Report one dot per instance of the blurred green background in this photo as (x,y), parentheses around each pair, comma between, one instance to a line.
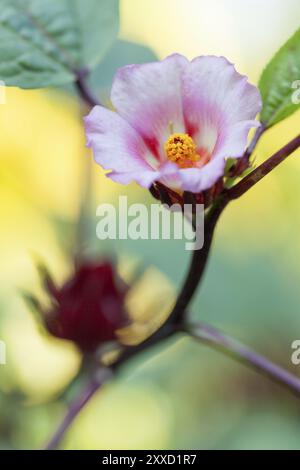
(180,395)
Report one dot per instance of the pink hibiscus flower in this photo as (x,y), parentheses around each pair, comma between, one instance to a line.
(175,122)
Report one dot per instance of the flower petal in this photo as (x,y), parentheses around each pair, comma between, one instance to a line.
(148,96)
(167,174)
(233,142)
(116,145)
(143,178)
(206,98)
(200,179)
(216,101)
(192,179)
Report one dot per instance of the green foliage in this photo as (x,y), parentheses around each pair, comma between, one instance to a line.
(42,42)
(276,83)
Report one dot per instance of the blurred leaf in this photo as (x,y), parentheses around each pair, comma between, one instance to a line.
(9,408)
(248,305)
(99,25)
(42,42)
(32,302)
(65,231)
(271,426)
(276,83)
(121,53)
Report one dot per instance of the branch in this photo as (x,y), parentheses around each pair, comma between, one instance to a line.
(261,171)
(192,280)
(233,348)
(84,90)
(198,263)
(200,257)
(100,376)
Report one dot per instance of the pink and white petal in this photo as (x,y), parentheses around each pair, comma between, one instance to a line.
(116,145)
(188,179)
(215,97)
(200,179)
(143,178)
(234,141)
(167,173)
(149,97)
(191,179)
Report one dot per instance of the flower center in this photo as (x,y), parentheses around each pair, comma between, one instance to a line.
(181,149)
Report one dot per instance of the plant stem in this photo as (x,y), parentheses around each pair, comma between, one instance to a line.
(84,90)
(231,347)
(198,262)
(192,280)
(101,376)
(261,171)
(200,257)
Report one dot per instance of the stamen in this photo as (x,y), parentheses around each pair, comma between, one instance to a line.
(181,149)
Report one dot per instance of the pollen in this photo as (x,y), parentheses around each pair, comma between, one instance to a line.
(181,149)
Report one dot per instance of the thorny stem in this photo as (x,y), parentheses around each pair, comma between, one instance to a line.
(175,322)
(220,341)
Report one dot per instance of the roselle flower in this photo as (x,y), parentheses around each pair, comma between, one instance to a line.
(175,122)
(89,307)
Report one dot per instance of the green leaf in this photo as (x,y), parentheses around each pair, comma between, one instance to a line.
(42,42)
(276,83)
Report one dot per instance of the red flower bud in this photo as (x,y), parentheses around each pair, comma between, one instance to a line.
(89,307)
